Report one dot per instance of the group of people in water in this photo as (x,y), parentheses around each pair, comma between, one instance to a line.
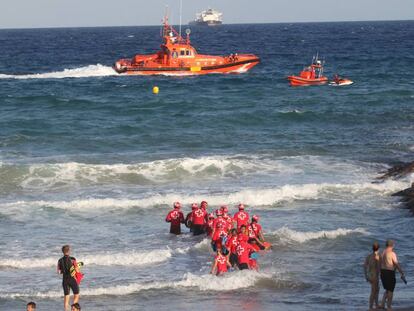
(235,240)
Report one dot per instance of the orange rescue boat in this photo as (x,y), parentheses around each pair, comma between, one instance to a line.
(178,57)
(310,75)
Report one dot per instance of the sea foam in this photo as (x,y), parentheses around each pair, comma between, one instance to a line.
(97,70)
(252,197)
(41,175)
(228,282)
(105,259)
(287,235)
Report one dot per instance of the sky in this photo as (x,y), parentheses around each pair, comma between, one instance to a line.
(86,13)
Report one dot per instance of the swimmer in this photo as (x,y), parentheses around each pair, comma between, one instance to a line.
(372,267)
(220,264)
(68,281)
(75,307)
(176,218)
(31,306)
(241,217)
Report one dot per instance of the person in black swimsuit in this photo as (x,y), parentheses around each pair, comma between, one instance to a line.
(66,266)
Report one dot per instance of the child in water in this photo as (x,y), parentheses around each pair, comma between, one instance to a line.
(220,264)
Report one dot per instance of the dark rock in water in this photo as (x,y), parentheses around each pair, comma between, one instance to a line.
(405,193)
(398,171)
(407,197)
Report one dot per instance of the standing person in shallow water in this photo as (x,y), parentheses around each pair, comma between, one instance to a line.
(241,217)
(389,263)
(372,267)
(176,218)
(220,264)
(199,219)
(67,266)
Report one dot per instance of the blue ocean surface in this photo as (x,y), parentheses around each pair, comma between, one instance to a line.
(95,160)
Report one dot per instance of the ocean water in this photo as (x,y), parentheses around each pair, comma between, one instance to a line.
(95,160)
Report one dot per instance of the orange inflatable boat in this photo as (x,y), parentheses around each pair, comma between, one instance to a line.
(311,75)
(178,57)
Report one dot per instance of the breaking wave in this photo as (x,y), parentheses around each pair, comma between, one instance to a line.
(252,197)
(228,282)
(106,259)
(33,176)
(287,235)
(97,70)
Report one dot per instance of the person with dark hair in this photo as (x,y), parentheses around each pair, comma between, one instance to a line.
(372,267)
(220,263)
(389,263)
(31,306)
(231,245)
(68,267)
(75,307)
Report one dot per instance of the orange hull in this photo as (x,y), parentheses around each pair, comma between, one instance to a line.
(201,65)
(298,81)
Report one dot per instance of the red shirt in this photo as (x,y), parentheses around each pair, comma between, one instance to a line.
(220,220)
(175,217)
(218,233)
(232,243)
(242,218)
(221,261)
(245,237)
(199,216)
(229,221)
(257,228)
(243,252)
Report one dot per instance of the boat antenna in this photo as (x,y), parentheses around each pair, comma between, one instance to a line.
(181,15)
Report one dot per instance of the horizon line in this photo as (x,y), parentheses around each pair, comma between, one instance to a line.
(224,24)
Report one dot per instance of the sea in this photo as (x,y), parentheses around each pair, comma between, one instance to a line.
(95,160)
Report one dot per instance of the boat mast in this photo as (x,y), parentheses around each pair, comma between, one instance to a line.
(181,15)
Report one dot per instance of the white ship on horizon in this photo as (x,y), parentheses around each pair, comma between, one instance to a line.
(208,17)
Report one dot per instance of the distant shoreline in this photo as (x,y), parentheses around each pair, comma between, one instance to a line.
(224,24)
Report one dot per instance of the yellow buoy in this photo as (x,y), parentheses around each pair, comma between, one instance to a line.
(155,90)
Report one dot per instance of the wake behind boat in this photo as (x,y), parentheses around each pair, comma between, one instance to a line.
(178,57)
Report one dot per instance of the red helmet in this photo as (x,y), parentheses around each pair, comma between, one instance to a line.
(203,204)
(241,206)
(176,205)
(224,209)
(219,213)
(255,218)
(194,206)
